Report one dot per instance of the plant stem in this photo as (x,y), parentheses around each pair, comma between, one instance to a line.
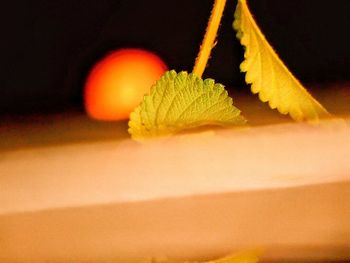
(209,37)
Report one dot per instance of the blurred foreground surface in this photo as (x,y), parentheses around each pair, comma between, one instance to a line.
(75,190)
(305,224)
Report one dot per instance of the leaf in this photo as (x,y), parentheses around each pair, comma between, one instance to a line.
(268,75)
(182,101)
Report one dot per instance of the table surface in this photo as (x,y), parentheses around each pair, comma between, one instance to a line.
(76,189)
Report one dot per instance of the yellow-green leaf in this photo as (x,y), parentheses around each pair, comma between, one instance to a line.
(268,75)
(182,101)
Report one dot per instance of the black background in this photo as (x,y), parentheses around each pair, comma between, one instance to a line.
(48,46)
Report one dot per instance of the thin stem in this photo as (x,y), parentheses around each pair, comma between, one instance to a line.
(209,37)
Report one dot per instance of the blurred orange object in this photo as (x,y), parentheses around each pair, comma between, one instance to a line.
(117,83)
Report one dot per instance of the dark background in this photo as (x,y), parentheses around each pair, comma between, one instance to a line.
(48,46)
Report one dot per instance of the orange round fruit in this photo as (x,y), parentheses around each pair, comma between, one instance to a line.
(117,83)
